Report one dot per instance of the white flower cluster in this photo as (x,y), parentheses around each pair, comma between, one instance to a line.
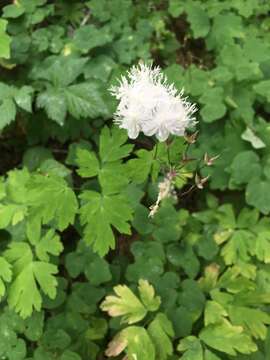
(149,104)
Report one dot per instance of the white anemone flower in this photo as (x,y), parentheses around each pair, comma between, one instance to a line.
(149,104)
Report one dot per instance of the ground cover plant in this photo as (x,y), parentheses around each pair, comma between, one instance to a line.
(85,272)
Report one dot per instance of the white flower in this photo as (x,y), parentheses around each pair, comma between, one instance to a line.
(149,104)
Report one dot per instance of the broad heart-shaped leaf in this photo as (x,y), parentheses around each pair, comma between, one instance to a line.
(124,304)
(50,199)
(192,298)
(175,8)
(11,347)
(198,19)
(28,275)
(13,11)
(263,88)
(255,320)
(5,275)
(244,167)
(112,145)
(219,36)
(99,213)
(227,338)
(192,348)
(84,260)
(258,194)
(137,342)
(161,332)
(147,295)
(88,37)
(34,326)
(5,40)
(214,107)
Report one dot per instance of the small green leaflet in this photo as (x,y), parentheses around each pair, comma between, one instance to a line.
(51,199)
(30,277)
(112,145)
(127,305)
(258,194)
(11,96)
(89,36)
(14,10)
(87,162)
(49,244)
(262,246)
(140,167)
(112,174)
(255,320)
(124,304)
(147,295)
(192,348)
(5,40)
(214,313)
(161,332)
(263,89)
(99,213)
(238,247)
(227,338)
(5,275)
(136,341)
(11,214)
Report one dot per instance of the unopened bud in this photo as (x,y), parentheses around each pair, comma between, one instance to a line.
(191,139)
(200,181)
(209,160)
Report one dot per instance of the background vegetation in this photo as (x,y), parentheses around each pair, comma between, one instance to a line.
(75,193)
